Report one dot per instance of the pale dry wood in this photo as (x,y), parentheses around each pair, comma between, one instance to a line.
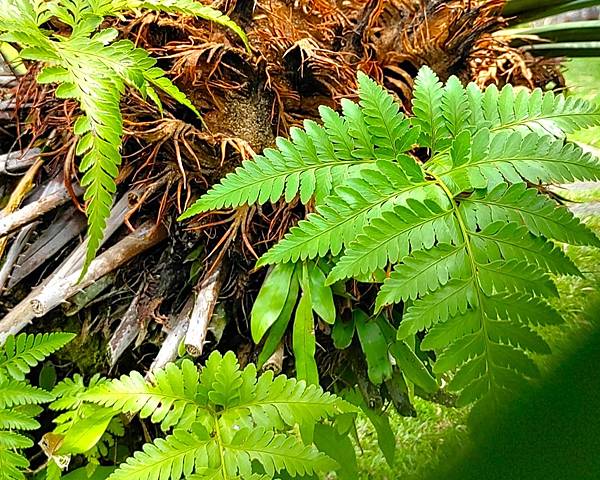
(13,253)
(204,305)
(127,331)
(176,334)
(51,294)
(275,361)
(14,162)
(16,197)
(118,213)
(68,225)
(34,210)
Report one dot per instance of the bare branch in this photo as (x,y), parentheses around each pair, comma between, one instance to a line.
(170,345)
(52,293)
(18,161)
(208,293)
(127,331)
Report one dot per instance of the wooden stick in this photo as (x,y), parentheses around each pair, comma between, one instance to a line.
(17,196)
(117,216)
(13,254)
(170,346)
(20,160)
(34,210)
(275,361)
(52,293)
(63,229)
(127,331)
(204,305)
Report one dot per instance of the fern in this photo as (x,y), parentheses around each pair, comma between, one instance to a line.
(540,112)
(84,428)
(19,401)
(90,67)
(223,421)
(19,354)
(467,240)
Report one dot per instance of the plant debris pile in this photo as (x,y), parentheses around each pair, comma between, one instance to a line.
(303,54)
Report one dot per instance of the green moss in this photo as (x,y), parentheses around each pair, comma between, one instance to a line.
(86,353)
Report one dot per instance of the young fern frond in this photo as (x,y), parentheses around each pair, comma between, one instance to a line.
(468,242)
(90,67)
(236,419)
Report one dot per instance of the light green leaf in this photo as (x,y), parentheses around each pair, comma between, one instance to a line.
(270,300)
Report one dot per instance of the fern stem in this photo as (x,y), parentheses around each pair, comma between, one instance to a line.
(219,440)
(474,269)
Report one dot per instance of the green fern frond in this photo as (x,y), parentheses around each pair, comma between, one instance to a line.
(19,354)
(14,393)
(514,276)
(12,465)
(169,401)
(391,236)
(168,458)
(343,215)
(12,440)
(389,131)
(292,169)
(19,401)
(468,244)
(16,419)
(427,110)
(452,299)
(491,159)
(183,452)
(69,391)
(522,205)
(501,240)
(274,452)
(270,401)
(237,420)
(540,112)
(423,272)
(455,107)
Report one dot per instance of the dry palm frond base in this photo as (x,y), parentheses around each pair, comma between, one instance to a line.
(304,54)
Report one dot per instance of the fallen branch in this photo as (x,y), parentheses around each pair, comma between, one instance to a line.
(127,331)
(14,251)
(76,259)
(34,210)
(7,81)
(275,361)
(61,231)
(18,161)
(51,294)
(170,346)
(17,196)
(208,293)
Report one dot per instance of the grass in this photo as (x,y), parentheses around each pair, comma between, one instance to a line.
(421,441)
(583,79)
